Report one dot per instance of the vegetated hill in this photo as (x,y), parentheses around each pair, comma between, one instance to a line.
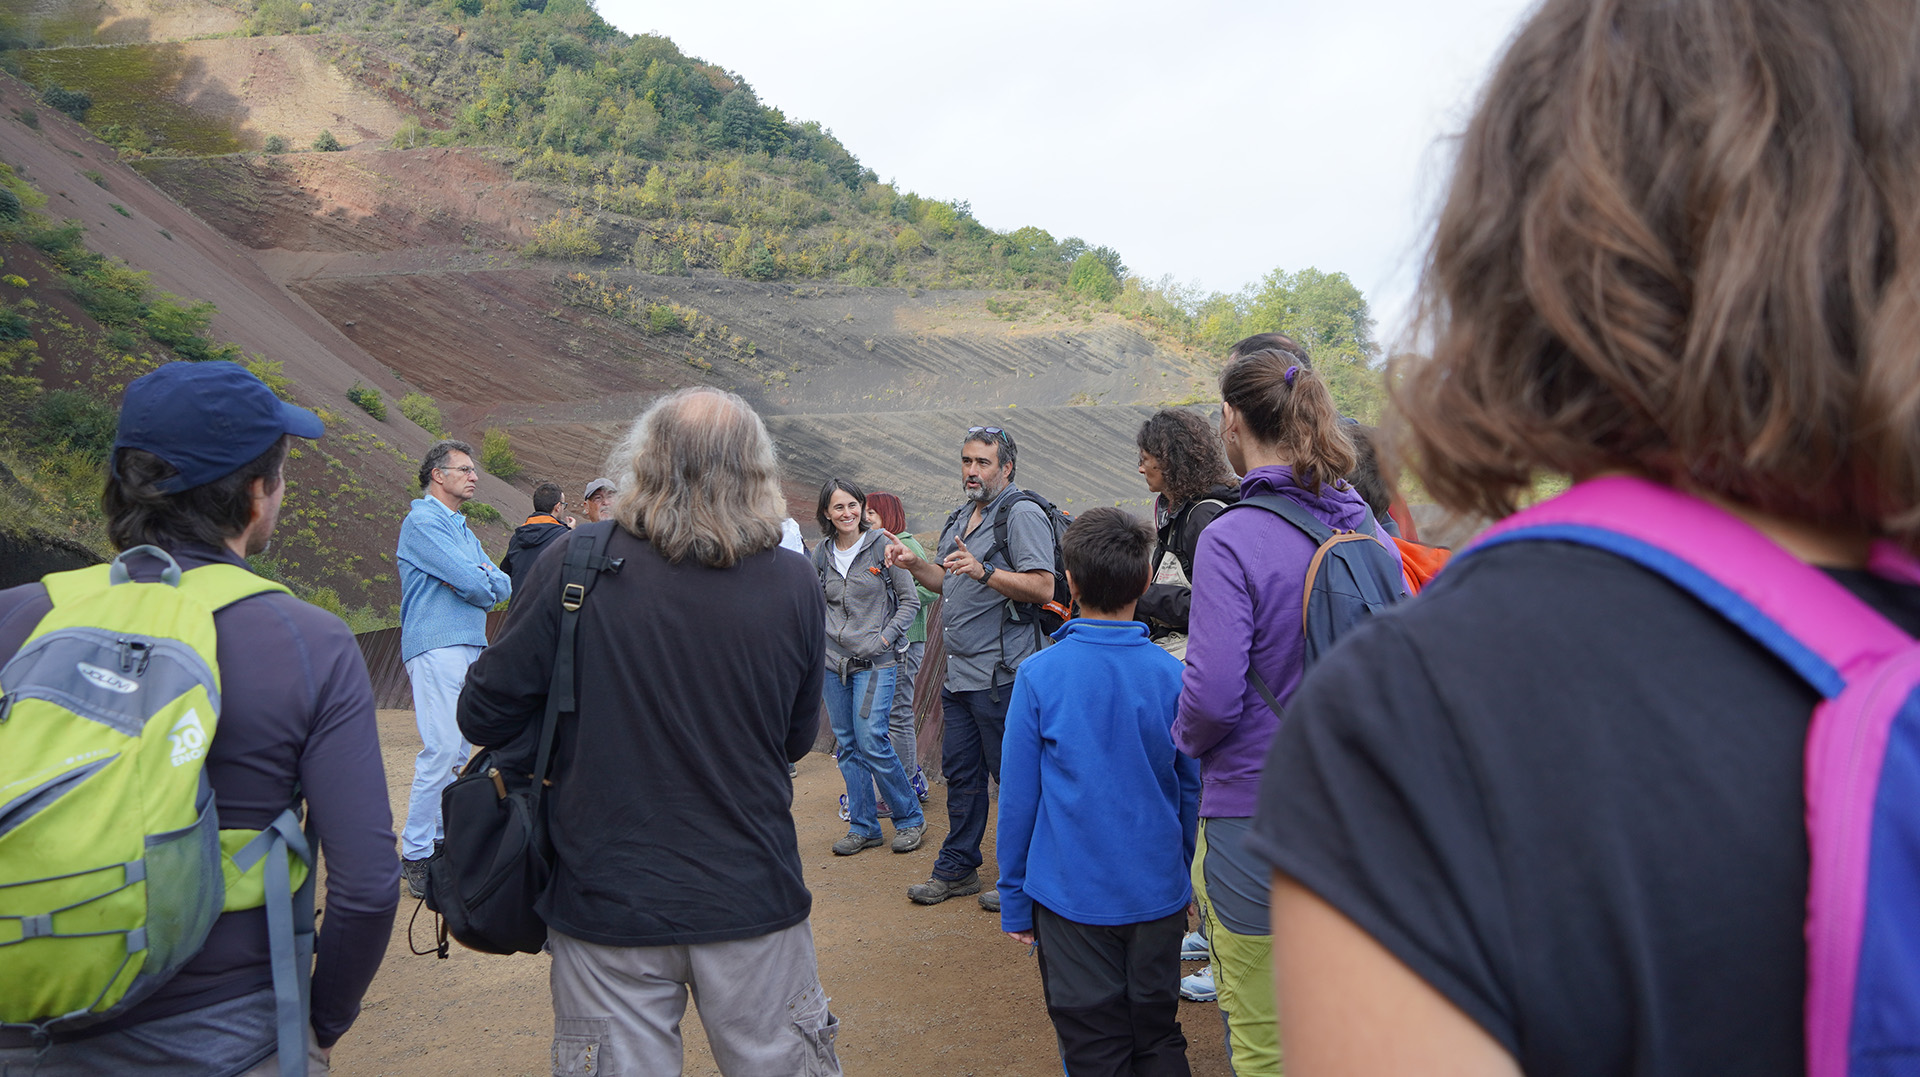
(540,224)
(78,326)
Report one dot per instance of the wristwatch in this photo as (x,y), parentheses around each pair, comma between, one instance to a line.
(986,572)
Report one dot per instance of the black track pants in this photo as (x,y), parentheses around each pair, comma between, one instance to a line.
(1113,994)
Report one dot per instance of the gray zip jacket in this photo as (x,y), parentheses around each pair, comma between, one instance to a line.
(864,618)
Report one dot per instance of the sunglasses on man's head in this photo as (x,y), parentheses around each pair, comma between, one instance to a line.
(990,431)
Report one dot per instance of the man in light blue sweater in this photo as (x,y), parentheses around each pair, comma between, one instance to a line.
(1098,813)
(447,584)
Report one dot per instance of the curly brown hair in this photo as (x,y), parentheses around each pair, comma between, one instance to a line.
(1188,452)
(1681,240)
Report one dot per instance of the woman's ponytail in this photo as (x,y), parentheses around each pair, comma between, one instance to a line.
(1284,404)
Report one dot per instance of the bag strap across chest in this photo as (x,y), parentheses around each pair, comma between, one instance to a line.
(1812,623)
(1863,741)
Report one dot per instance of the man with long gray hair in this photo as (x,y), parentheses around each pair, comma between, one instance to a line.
(676,862)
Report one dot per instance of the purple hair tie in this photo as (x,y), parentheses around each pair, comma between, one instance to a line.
(1291,371)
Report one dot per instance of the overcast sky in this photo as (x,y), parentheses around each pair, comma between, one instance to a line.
(1213,141)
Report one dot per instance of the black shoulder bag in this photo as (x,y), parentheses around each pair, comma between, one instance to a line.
(494,863)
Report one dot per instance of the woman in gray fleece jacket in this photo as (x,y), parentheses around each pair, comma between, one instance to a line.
(870,606)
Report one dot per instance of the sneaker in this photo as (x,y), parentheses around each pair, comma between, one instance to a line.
(1194,947)
(918,783)
(844,815)
(414,874)
(908,838)
(793,770)
(881,809)
(1199,986)
(936,890)
(990,897)
(854,842)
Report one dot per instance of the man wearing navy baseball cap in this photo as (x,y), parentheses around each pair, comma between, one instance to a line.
(196,472)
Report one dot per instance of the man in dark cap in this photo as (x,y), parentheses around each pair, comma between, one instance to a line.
(196,473)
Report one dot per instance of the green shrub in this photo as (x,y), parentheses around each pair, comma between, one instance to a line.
(10,207)
(14,325)
(28,117)
(74,103)
(409,134)
(77,422)
(496,454)
(481,512)
(662,318)
(568,235)
(369,400)
(1091,277)
(419,408)
(272,374)
(326,143)
(275,144)
(120,209)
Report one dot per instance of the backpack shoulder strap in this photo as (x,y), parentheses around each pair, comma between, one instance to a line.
(1810,622)
(1002,522)
(220,586)
(586,559)
(1289,510)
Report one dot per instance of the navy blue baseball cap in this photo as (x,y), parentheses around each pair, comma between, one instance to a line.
(206,419)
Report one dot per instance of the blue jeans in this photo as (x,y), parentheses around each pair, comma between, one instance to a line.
(969,752)
(858,710)
(437,676)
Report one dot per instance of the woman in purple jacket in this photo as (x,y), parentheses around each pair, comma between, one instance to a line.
(1283,433)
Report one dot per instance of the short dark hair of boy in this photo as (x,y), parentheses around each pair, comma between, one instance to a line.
(546,496)
(1107,550)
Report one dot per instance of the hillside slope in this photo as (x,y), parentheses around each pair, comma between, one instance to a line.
(413,271)
(364,471)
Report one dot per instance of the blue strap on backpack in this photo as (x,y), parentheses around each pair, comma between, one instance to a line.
(1863,743)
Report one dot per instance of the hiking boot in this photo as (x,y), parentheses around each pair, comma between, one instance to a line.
(908,838)
(936,890)
(414,874)
(1194,947)
(854,842)
(990,897)
(1199,986)
(881,809)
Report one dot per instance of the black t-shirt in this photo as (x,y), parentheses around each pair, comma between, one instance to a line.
(1568,796)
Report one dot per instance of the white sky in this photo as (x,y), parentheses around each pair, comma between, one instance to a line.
(1213,140)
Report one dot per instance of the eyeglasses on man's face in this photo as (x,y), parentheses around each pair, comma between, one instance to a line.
(465,469)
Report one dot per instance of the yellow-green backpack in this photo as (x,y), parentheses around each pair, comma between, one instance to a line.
(113,866)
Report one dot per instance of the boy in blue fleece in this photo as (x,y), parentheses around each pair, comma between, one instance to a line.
(1097,816)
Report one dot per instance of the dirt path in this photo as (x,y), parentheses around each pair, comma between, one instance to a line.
(918,990)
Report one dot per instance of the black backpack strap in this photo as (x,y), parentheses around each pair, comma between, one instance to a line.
(1289,510)
(586,560)
(1266,693)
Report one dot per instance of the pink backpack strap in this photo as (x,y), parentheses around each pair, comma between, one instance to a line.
(1798,612)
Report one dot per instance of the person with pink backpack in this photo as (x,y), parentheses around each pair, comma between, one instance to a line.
(1634,786)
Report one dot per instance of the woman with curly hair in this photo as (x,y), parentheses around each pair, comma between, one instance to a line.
(1180,459)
